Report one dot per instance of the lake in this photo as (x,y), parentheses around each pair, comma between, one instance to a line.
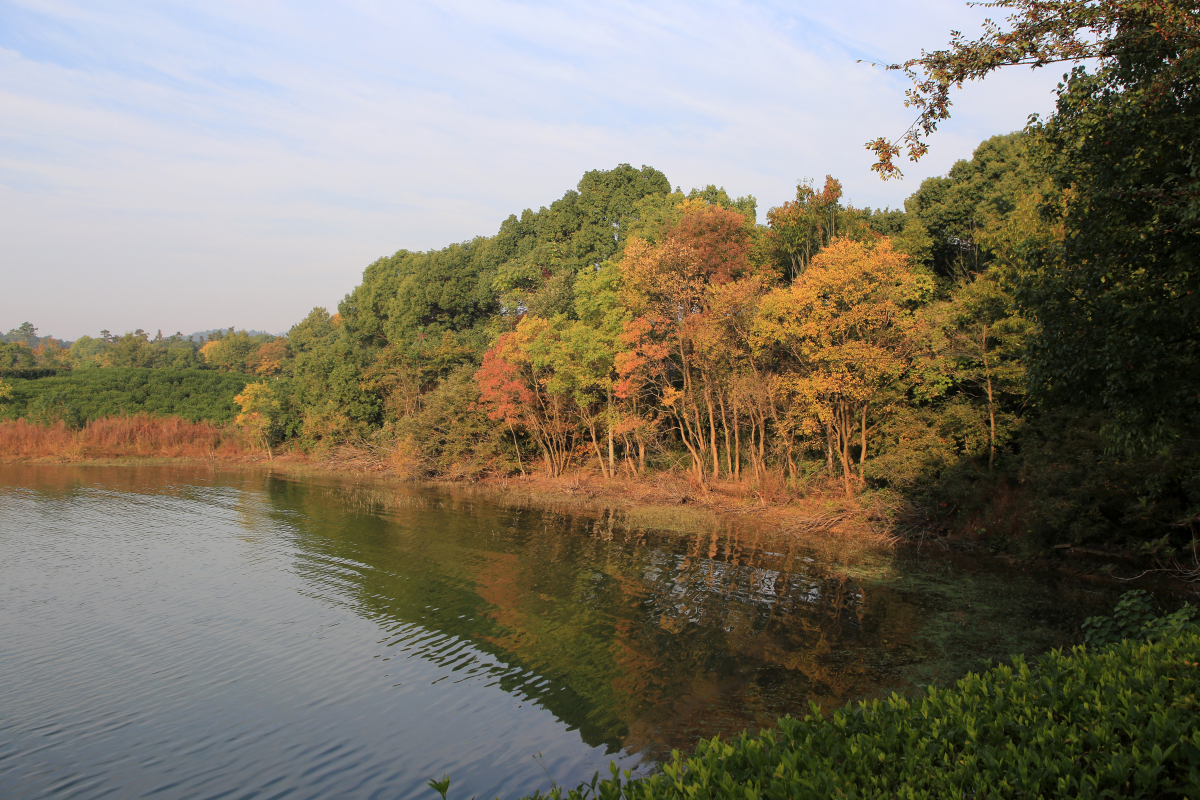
(178,632)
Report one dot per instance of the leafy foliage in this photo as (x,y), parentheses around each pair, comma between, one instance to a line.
(88,394)
(259,416)
(1135,618)
(1038,33)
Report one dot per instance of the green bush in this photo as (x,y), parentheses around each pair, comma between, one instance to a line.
(1135,617)
(86,394)
(453,437)
(1118,720)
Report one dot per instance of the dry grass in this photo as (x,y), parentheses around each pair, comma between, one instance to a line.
(138,436)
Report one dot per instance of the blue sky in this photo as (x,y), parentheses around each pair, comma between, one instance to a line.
(193,165)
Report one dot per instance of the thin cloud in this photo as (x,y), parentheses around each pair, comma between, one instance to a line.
(187,166)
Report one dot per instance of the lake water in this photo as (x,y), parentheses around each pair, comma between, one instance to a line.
(174,632)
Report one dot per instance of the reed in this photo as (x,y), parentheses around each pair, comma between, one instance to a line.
(135,436)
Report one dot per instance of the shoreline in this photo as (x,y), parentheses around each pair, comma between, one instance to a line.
(661,500)
(834,515)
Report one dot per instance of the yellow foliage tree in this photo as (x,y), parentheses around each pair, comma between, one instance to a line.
(260,411)
(846,330)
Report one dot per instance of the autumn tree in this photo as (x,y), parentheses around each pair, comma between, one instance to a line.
(268,357)
(259,414)
(514,388)
(670,285)
(846,330)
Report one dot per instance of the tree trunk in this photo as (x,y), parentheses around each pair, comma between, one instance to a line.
(517,447)
(599,455)
(846,430)
(987,370)
(712,432)
(737,443)
(862,452)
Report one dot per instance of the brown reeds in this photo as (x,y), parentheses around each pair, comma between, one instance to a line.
(137,436)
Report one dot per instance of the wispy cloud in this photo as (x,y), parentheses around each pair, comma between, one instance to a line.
(191,165)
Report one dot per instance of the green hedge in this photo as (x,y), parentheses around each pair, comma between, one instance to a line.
(31,373)
(1119,720)
(86,394)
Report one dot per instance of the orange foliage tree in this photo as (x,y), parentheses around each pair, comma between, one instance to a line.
(687,292)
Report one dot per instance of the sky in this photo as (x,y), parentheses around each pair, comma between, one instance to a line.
(186,166)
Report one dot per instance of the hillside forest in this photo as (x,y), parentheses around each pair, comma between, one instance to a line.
(1012,356)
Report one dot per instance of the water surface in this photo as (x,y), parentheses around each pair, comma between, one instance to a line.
(183,633)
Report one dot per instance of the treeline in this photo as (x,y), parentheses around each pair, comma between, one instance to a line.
(629,328)
(22,351)
(1014,354)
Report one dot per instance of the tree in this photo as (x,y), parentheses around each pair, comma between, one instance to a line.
(15,355)
(986,339)
(89,352)
(846,329)
(961,214)
(50,353)
(260,414)
(801,227)
(515,390)
(672,285)
(133,350)
(1116,299)
(25,333)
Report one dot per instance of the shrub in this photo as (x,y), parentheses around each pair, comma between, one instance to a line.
(86,394)
(454,437)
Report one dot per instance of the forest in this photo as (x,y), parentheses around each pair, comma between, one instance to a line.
(1012,356)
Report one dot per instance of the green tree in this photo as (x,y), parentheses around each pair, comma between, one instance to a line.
(16,355)
(1117,299)
(327,401)
(89,352)
(957,212)
(134,350)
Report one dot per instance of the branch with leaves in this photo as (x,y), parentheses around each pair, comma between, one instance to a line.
(1036,33)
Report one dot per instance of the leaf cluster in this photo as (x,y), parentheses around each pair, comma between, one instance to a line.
(1035,34)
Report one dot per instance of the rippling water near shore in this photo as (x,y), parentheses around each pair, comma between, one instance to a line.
(179,633)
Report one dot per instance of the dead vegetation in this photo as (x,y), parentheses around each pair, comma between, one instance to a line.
(137,436)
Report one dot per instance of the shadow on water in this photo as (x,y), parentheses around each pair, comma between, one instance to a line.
(640,638)
(647,639)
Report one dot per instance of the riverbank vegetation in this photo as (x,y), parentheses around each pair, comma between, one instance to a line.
(1112,718)
(79,396)
(133,436)
(1012,357)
